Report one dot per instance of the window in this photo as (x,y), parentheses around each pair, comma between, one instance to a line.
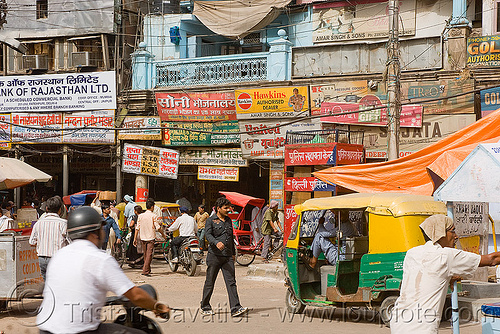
(42,9)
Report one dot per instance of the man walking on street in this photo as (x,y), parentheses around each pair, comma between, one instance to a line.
(201,218)
(269,227)
(128,212)
(147,225)
(187,228)
(110,224)
(49,233)
(219,233)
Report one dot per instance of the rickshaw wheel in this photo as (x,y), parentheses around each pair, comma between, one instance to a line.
(244,259)
(293,305)
(173,266)
(386,309)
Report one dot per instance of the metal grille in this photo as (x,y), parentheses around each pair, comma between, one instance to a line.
(189,72)
(325,136)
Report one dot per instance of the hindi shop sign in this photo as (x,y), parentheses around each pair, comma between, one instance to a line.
(201,107)
(276,102)
(213,157)
(470,218)
(307,184)
(178,134)
(323,154)
(58,92)
(217,173)
(154,161)
(5,131)
(139,128)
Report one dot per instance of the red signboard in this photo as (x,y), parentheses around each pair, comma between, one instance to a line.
(323,154)
(307,184)
(201,107)
(290,219)
(142,195)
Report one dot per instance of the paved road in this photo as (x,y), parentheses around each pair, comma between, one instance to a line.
(264,297)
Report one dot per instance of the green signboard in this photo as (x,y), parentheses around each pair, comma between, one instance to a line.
(178,134)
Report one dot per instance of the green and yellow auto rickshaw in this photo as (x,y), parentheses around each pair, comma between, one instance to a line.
(369,266)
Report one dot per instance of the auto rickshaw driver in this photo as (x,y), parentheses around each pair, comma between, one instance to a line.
(322,243)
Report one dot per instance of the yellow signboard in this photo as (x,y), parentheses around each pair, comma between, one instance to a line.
(274,102)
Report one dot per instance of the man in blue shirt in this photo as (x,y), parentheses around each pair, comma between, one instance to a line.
(110,223)
(128,212)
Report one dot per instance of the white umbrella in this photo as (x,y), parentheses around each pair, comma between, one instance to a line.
(16,173)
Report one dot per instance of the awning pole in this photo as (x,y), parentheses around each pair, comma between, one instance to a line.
(493,232)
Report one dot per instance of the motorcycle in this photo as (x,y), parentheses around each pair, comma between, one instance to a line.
(190,254)
(132,317)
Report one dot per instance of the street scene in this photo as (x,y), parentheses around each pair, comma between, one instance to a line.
(261,165)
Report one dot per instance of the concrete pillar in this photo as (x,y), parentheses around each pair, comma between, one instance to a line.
(142,68)
(279,61)
(459,15)
(118,171)
(65,171)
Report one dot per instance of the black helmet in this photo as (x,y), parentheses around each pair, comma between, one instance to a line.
(82,221)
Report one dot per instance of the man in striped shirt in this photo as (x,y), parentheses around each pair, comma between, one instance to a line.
(49,233)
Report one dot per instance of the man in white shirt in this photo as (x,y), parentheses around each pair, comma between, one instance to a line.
(187,228)
(427,272)
(49,233)
(79,276)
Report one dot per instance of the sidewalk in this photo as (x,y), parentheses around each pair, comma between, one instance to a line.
(273,270)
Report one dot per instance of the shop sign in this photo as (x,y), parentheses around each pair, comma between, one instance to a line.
(490,101)
(275,102)
(342,21)
(307,184)
(445,90)
(470,218)
(154,161)
(483,51)
(266,139)
(139,128)
(90,127)
(290,221)
(434,128)
(178,134)
(5,132)
(217,173)
(323,154)
(200,107)
(213,157)
(276,187)
(57,92)
(37,128)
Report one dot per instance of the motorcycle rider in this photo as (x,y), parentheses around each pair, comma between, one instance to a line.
(187,228)
(78,278)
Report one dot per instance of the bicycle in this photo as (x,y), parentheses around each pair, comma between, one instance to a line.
(245,255)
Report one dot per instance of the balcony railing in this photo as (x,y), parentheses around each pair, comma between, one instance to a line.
(211,70)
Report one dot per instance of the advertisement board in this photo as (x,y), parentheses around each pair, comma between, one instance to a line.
(213,157)
(323,154)
(218,173)
(201,107)
(275,102)
(276,187)
(138,128)
(153,161)
(177,133)
(483,51)
(58,92)
(97,127)
(490,101)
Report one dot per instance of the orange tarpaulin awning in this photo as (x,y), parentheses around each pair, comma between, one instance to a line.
(409,174)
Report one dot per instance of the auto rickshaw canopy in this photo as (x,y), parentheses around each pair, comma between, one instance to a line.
(242,200)
(389,204)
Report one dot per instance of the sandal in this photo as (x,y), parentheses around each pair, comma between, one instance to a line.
(306,261)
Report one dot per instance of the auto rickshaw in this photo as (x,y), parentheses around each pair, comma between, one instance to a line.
(369,267)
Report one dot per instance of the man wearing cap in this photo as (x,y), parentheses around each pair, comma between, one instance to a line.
(128,212)
(270,226)
(187,228)
(427,272)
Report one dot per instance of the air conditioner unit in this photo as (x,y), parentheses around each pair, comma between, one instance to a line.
(35,62)
(84,59)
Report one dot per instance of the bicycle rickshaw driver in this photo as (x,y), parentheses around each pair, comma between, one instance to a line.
(322,243)
(78,278)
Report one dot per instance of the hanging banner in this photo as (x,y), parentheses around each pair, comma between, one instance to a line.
(341,21)
(275,102)
(323,154)
(139,128)
(178,137)
(210,173)
(490,101)
(58,92)
(35,128)
(267,138)
(276,188)
(5,131)
(213,157)
(483,51)
(434,128)
(351,98)
(74,122)
(307,184)
(154,161)
(200,107)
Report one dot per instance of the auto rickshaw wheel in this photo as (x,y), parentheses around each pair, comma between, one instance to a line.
(293,304)
(386,309)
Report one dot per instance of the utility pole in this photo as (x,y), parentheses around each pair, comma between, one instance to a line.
(393,82)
